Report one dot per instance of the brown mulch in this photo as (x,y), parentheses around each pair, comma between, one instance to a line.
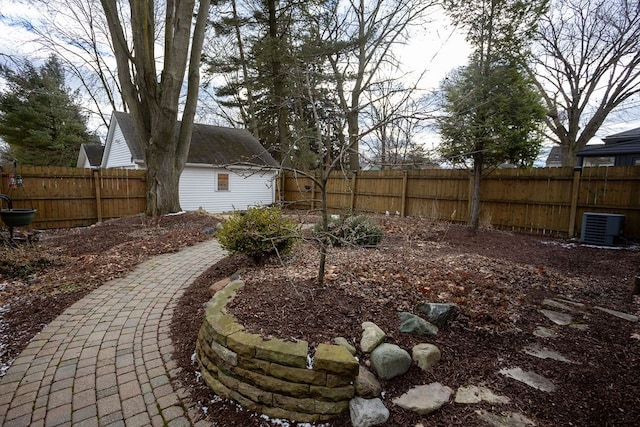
(497,278)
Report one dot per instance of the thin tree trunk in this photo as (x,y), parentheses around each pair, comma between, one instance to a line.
(253,123)
(474,214)
(278,86)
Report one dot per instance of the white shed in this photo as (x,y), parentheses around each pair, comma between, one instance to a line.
(226,168)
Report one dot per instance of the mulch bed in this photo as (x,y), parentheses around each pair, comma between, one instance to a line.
(498,279)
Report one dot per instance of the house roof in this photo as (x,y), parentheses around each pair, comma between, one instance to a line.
(211,145)
(627,142)
(628,135)
(554,157)
(92,152)
(611,149)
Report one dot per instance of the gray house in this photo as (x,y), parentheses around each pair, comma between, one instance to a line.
(620,149)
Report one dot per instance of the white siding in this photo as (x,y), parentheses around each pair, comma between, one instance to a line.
(83,161)
(119,155)
(198,189)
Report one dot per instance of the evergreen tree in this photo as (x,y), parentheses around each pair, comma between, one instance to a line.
(499,31)
(495,117)
(39,118)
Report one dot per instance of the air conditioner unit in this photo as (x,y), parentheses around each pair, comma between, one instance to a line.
(601,229)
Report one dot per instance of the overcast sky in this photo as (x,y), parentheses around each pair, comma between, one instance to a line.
(437,49)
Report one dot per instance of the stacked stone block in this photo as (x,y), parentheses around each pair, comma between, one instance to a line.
(272,376)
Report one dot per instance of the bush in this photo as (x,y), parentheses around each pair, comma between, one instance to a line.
(358,230)
(258,233)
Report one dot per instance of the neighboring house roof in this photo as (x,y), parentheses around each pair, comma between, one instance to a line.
(599,150)
(628,135)
(627,142)
(555,157)
(90,154)
(211,145)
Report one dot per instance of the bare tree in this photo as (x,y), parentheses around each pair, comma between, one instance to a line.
(586,63)
(393,115)
(361,35)
(153,96)
(76,32)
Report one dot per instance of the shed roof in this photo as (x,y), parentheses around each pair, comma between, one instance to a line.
(210,145)
(93,152)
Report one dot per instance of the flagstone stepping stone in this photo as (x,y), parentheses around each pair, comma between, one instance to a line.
(477,394)
(619,314)
(568,301)
(505,419)
(579,326)
(424,399)
(543,332)
(545,353)
(562,319)
(556,304)
(530,378)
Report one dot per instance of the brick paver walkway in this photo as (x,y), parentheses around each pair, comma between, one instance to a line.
(106,361)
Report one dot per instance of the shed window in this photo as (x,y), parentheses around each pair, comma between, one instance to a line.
(223,182)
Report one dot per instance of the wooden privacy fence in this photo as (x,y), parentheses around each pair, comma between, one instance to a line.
(541,200)
(73,197)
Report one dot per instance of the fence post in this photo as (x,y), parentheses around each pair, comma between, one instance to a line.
(405,180)
(353,192)
(96,180)
(575,191)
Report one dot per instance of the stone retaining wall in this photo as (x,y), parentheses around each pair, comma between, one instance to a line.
(272,377)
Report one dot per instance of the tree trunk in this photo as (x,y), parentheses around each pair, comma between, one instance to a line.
(153,98)
(474,213)
(248,84)
(353,129)
(278,77)
(162,162)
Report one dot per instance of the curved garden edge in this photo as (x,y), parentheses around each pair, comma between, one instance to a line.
(274,377)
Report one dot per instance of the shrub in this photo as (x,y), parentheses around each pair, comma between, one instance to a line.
(258,233)
(358,230)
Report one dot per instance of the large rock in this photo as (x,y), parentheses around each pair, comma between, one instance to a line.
(367,385)
(437,313)
(424,399)
(346,344)
(415,325)
(372,336)
(389,361)
(426,355)
(367,412)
